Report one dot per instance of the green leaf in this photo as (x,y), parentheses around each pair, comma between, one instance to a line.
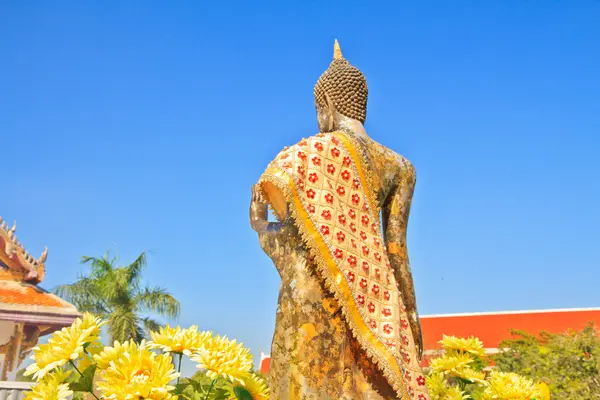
(84,382)
(241,393)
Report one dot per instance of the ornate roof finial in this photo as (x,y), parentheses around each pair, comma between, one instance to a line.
(337,51)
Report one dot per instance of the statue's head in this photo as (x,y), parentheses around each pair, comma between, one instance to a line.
(340,91)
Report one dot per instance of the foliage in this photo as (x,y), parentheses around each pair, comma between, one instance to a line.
(74,362)
(569,363)
(463,373)
(115,293)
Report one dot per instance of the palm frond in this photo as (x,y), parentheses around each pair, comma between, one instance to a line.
(134,270)
(157,300)
(123,325)
(151,325)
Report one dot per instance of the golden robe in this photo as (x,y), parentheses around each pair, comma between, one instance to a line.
(342,330)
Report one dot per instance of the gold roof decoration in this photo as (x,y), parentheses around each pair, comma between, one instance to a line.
(16,262)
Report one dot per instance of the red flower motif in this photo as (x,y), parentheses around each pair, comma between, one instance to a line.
(284,156)
(371,307)
(365,266)
(405,340)
(407,375)
(365,250)
(302,155)
(407,361)
(387,296)
(361,299)
(353,227)
(363,283)
(353,243)
(351,276)
(352,213)
(374,228)
(286,165)
(319,146)
(386,312)
(326,214)
(355,199)
(311,195)
(341,236)
(365,219)
(347,161)
(356,183)
(373,324)
(404,324)
(377,272)
(387,328)
(341,191)
(335,141)
(363,235)
(390,343)
(342,219)
(311,208)
(377,256)
(352,260)
(376,242)
(338,253)
(300,184)
(422,397)
(316,160)
(313,178)
(301,170)
(421,380)
(375,289)
(335,152)
(329,198)
(331,168)
(324,229)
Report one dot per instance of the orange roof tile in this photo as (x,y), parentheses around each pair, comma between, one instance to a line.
(20,299)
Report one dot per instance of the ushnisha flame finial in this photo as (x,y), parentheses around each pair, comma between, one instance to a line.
(337,51)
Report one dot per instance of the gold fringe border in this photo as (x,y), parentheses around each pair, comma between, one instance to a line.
(336,282)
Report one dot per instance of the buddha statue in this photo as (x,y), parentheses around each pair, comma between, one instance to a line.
(347,325)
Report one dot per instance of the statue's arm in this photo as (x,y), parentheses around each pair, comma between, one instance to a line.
(259,217)
(396,211)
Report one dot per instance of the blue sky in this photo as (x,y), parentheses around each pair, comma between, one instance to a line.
(142,125)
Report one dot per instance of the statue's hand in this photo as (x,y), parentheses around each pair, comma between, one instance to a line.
(259,215)
(257,196)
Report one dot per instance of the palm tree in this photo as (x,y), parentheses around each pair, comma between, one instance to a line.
(115,293)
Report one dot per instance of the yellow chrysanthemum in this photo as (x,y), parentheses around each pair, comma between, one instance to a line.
(469,345)
(454,393)
(87,360)
(436,384)
(451,363)
(137,373)
(178,340)
(50,387)
(221,357)
(66,345)
(544,390)
(506,385)
(470,375)
(109,354)
(256,386)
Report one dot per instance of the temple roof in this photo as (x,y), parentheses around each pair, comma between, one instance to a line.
(15,262)
(25,302)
